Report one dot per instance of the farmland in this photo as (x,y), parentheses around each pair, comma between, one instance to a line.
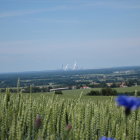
(79,78)
(52,117)
(120,90)
(46,81)
(71,115)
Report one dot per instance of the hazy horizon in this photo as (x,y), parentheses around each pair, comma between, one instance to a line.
(70,69)
(38,35)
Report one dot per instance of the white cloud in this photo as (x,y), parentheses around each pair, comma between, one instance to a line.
(76,5)
(27,12)
(51,20)
(35,46)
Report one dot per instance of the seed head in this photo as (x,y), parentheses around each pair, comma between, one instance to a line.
(38,121)
(68,127)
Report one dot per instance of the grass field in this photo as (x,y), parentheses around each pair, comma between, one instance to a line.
(71,116)
(120,90)
(76,93)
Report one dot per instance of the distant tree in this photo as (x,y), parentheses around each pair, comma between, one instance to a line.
(113,85)
(36,89)
(103,85)
(108,92)
(58,92)
(78,86)
(91,85)
(93,93)
(138,93)
(50,87)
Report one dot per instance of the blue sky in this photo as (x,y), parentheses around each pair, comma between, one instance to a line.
(44,34)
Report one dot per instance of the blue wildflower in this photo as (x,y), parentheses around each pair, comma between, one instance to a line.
(130,103)
(105,138)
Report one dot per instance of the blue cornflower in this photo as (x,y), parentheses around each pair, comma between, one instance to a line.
(105,138)
(130,103)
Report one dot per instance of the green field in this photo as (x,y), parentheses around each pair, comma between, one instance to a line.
(120,90)
(71,116)
(76,93)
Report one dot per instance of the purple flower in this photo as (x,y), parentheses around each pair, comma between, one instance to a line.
(105,138)
(68,127)
(130,103)
(38,121)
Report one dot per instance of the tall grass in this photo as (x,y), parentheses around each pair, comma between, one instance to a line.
(28,117)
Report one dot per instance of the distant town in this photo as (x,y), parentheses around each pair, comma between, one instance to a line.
(69,79)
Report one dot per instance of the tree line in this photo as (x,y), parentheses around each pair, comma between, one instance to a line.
(110,92)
